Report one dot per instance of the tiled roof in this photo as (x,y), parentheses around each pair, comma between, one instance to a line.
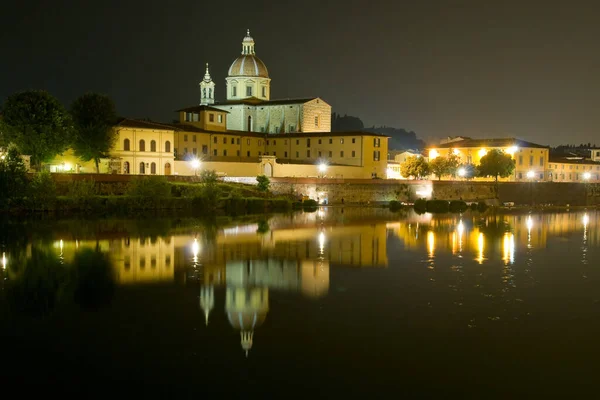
(500,142)
(201,108)
(258,102)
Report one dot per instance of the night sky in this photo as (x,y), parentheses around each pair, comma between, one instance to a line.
(477,68)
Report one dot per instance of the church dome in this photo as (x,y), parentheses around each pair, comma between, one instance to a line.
(248,64)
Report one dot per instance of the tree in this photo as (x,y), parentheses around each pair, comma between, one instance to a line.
(496,163)
(441,166)
(414,166)
(38,124)
(263,183)
(13,175)
(93,116)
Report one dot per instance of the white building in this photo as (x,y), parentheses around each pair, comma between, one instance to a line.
(248,94)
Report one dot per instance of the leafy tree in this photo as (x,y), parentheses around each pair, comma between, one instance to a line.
(93,116)
(496,163)
(263,183)
(441,166)
(452,163)
(415,167)
(38,124)
(13,175)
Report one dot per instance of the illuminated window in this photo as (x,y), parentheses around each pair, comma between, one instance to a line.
(234,91)
(264,91)
(220,118)
(342,141)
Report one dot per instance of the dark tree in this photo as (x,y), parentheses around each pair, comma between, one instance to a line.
(38,124)
(347,123)
(94,117)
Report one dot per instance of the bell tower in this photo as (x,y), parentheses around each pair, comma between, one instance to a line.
(207,89)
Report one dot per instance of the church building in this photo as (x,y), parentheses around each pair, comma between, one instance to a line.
(249,104)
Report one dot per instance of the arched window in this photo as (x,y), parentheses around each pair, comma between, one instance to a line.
(126,145)
(142,145)
(167,169)
(126,166)
(167,146)
(142,168)
(153,145)
(153,168)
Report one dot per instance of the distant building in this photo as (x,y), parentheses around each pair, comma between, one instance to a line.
(530,158)
(573,169)
(249,103)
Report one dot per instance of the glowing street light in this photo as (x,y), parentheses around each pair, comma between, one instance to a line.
(322,168)
(530,174)
(195,165)
(587,176)
(462,172)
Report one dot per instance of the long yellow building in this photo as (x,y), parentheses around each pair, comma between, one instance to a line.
(531,160)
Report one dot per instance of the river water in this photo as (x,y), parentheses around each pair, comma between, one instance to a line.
(342,301)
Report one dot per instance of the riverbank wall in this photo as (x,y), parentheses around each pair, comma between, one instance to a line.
(373,191)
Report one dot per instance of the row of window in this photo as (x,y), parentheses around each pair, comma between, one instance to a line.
(531,160)
(194,117)
(578,177)
(248,91)
(237,141)
(521,175)
(591,167)
(144,166)
(127,261)
(142,145)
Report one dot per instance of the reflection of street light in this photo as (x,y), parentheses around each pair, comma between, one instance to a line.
(530,175)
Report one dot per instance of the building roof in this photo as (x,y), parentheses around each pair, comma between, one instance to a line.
(253,101)
(143,124)
(570,160)
(191,128)
(248,65)
(499,142)
(201,108)
(321,134)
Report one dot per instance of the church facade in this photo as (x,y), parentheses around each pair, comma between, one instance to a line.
(249,104)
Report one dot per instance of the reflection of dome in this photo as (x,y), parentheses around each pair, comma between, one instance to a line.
(246,321)
(248,65)
(207,300)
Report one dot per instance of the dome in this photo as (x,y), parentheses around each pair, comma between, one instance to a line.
(246,321)
(248,65)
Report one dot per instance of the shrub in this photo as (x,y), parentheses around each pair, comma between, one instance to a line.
(263,183)
(13,176)
(310,203)
(149,192)
(42,191)
(458,206)
(481,207)
(420,206)
(473,206)
(438,206)
(395,205)
(209,176)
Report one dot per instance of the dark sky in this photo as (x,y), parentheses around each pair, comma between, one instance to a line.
(478,68)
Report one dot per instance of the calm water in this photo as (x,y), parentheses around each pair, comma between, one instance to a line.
(332,303)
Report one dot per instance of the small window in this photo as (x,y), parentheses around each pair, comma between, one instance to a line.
(353,154)
(234,91)
(153,168)
(220,118)
(204,149)
(126,145)
(237,141)
(185,138)
(185,150)
(248,90)
(259,153)
(142,168)
(297,154)
(542,161)
(232,140)
(308,153)
(167,146)
(127,262)
(275,153)
(530,160)
(285,154)
(238,153)
(353,140)
(264,91)
(225,152)
(342,141)
(224,140)
(142,262)
(316,121)
(330,154)
(267,142)
(307,142)
(211,117)
(319,141)
(297,141)
(274,142)
(195,151)
(319,154)
(215,140)
(214,152)
(153,146)
(248,153)
(194,138)
(330,141)
(341,154)
(248,142)
(142,145)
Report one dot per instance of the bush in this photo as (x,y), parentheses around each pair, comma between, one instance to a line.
(395,205)
(420,206)
(149,187)
(209,176)
(263,183)
(458,206)
(473,206)
(438,206)
(13,176)
(310,203)
(42,191)
(481,207)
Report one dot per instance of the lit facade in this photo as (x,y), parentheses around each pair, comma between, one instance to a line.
(573,170)
(531,160)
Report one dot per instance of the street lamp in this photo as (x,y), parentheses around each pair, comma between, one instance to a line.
(462,172)
(195,165)
(530,174)
(322,168)
(587,176)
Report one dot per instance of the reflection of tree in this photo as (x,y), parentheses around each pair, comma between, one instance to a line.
(37,286)
(94,282)
(263,226)
(494,227)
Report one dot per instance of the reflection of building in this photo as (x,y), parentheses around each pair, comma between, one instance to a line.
(143,260)
(246,309)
